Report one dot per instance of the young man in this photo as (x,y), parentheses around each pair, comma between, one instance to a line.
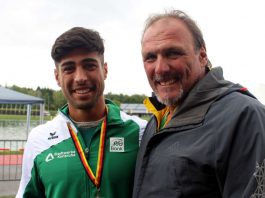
(89,149)
(207,136)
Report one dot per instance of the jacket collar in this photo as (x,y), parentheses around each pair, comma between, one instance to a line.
(197,102)
(113,116)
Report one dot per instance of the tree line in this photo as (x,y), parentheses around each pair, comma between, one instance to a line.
(54,99)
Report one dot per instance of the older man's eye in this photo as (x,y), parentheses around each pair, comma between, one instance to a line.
(150,58)
(173,54)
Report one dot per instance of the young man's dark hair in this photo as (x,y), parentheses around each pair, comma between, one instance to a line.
(77,37)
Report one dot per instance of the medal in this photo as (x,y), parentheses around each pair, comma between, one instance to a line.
(95,178)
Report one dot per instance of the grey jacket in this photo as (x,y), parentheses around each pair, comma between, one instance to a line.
(214,146)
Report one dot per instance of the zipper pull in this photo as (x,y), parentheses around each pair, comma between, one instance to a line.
(86,152)
(98,191)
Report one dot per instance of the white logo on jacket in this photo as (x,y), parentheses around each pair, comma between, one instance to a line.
(60,155)
(49,157)
(116,144)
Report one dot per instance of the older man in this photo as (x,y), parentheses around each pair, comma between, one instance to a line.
(207,136)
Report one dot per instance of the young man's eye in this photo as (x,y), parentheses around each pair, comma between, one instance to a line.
(90,66)
(68,69)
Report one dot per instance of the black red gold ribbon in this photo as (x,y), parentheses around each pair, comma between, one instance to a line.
(95,178)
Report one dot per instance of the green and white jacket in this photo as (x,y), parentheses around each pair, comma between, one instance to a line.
(52,167)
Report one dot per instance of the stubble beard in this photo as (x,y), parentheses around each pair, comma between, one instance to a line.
(87,104)
(171,101)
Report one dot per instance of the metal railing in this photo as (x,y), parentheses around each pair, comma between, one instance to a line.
(11,154)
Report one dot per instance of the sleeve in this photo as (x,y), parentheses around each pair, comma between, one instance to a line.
(139,121)
(30,185)
(242,174)
(142,129)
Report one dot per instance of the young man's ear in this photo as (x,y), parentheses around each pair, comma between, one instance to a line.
(56,75)
(105,69)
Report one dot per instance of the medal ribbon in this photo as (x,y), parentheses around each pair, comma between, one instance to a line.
(96,179)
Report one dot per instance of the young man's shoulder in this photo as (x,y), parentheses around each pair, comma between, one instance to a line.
(50,132)
(136,119)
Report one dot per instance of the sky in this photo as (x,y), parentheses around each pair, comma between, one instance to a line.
(233,30)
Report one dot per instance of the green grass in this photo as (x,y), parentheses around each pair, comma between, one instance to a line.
(22,117)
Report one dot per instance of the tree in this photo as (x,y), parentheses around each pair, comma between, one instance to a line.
(55,99)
